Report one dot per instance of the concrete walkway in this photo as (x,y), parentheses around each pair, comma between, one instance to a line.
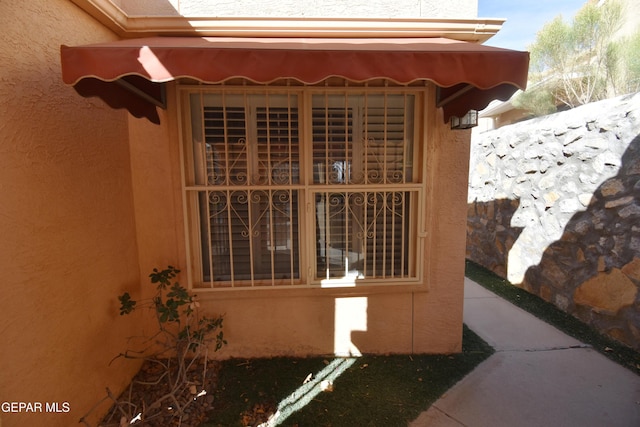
(538,376)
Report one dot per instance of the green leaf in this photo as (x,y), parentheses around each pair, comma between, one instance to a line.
(127,305)
(180,293)
(168,311)
(163,278)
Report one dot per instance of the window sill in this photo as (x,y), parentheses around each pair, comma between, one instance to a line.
(301,291)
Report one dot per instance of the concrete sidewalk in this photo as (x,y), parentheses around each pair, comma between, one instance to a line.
(538,376)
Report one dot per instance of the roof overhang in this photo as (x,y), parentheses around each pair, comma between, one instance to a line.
(129,73)
(124,25)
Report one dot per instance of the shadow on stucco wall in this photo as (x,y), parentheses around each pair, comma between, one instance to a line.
(593,270)
(490,235)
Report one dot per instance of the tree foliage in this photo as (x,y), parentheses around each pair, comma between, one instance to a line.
(580,62)
(629,48)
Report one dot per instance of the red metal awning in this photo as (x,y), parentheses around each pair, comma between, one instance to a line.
(129,73)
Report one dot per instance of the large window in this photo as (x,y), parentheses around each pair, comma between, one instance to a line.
(302,187)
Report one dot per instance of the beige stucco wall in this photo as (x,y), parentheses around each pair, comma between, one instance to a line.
(92,201)
(421,319)
(304,8)
(440,323)
(66,222)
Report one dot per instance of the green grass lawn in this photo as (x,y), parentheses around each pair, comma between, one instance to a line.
(376,390)
(371,391)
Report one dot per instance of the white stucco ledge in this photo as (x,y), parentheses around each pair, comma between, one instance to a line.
(464,29)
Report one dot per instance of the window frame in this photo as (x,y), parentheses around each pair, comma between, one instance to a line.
(309,276)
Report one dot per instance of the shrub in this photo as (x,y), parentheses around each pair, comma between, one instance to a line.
(177,354)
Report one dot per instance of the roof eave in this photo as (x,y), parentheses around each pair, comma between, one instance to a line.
(125,26)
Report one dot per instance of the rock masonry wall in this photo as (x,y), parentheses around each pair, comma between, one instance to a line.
(554,207)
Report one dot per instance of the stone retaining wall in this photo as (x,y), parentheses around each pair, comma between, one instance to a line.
(554,207)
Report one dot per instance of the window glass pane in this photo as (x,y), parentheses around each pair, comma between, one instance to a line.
(278,148)
(363,234)
(249,235)
(387,123)
(332,140)
(253,235)
(226,145)
(362,139)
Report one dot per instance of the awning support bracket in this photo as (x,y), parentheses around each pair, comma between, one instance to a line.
(455,95)
(162,102)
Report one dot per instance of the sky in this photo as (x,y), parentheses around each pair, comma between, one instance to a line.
(524,18)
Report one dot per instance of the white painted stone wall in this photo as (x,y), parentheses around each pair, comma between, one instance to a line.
(554,207)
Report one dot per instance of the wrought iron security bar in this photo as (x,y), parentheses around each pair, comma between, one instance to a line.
(273,210)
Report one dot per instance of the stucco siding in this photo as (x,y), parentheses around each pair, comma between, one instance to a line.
(422,318)
(68,236)
(438,313)
(92,200)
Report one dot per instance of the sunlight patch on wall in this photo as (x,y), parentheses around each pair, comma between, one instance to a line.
(350,315)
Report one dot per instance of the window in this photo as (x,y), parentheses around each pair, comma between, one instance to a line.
(299,187)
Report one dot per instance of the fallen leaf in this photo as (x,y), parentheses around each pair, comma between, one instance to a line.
(326,386)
